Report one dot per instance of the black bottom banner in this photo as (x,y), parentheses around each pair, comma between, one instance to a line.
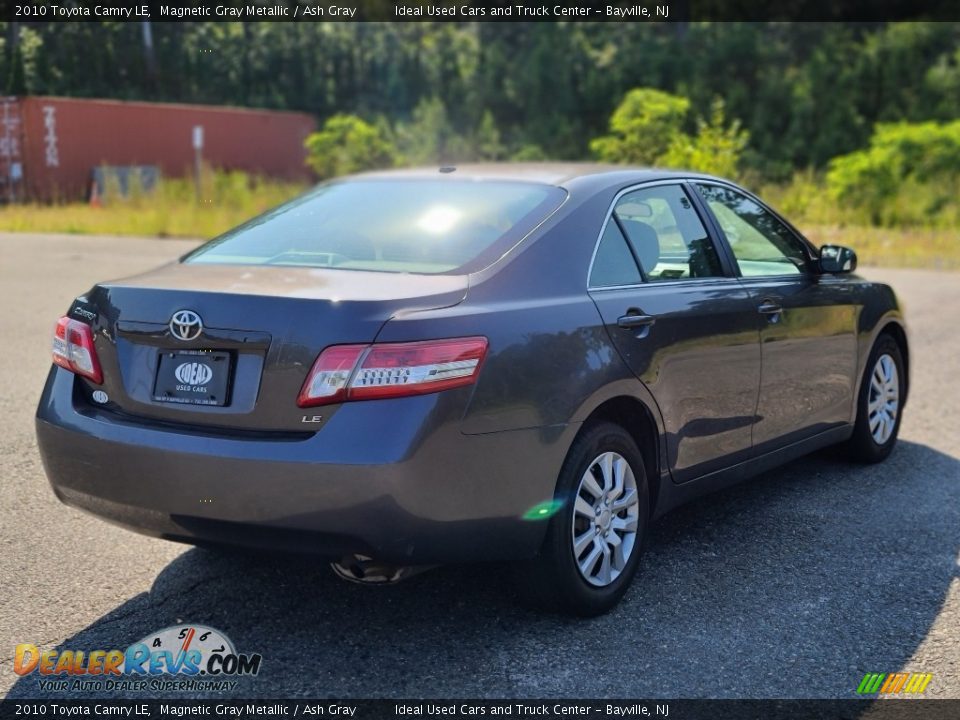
(889,709)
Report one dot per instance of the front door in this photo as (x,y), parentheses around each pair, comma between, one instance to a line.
(807,322)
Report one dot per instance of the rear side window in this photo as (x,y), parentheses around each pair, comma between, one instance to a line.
(666,234)
(614,264)
(390,225)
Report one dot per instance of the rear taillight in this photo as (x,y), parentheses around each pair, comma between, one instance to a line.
(367,372)
(73,349)
(329,376)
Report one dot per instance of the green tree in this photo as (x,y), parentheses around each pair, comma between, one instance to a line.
(428,137)
(16,81)
(642,128)
(806,92)
(529,153)
(348,144)
(431,137)
(716,148)
(919,162)
(487,139)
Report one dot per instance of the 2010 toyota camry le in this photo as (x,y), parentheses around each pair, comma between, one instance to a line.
(523,363)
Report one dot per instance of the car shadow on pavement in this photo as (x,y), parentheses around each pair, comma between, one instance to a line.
(794,584)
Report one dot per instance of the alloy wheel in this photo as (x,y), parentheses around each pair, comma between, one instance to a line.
(884,399)
(605,519)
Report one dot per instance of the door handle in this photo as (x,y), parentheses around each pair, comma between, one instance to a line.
(769,307)
(635,318)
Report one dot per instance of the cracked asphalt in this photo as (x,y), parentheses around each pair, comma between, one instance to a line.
(792,585)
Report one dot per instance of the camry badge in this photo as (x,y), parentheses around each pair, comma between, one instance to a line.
(186,325)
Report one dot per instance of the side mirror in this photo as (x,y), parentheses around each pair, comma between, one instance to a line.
(837,259)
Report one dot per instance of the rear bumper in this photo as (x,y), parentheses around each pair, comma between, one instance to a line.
(414,490)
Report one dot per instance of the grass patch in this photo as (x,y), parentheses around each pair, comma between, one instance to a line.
(918,232)
(170,210)
(891,247)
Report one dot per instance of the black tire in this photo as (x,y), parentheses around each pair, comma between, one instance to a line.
(862,446)
(553,580)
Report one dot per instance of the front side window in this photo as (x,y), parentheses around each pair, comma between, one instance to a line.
(390,225)
(762,244)
(666,234)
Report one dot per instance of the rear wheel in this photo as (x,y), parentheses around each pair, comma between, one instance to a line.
(879,404)
(593,544)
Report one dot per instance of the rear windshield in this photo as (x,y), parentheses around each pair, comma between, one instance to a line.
(415,226)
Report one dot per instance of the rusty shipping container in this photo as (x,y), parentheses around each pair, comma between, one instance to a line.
(49,146)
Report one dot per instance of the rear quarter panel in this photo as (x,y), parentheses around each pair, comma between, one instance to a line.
(550,359)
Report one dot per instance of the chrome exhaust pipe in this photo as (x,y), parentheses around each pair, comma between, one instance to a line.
(367,571)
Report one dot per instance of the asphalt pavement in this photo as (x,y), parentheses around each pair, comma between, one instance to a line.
(792,585)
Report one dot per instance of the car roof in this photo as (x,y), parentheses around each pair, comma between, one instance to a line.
(560,174)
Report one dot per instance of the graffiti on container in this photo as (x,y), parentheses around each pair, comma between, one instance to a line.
(11,162)
(10,139)
(50,138)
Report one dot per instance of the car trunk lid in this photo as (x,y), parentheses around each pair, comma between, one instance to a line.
(262,328)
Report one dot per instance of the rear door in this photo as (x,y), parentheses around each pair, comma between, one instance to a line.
(807,321)
(682,322)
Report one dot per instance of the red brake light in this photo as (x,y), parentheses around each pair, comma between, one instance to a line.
(328,378)
(396,369)
(73,349)
(366,372)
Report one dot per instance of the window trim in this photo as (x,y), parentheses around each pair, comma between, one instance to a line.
(626,241)
(810,250)
(730,271)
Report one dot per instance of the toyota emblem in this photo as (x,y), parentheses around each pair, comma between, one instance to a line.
(186,325)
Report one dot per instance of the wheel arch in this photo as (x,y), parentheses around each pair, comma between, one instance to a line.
(640,422)
(890,324)
(895,330)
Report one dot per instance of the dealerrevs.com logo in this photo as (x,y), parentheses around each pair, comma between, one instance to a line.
(182,657)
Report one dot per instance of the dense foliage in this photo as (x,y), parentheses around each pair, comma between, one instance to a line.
(346,144)
(910,174)
(843,123)
(647,128)
(642,127)
(805,92)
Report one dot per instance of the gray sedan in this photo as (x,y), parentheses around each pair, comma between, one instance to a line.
(504,362)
